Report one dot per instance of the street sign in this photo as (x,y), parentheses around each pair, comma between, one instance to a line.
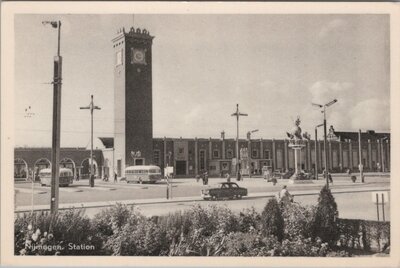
(380,197)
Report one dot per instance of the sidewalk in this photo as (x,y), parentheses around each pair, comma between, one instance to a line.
(197,198)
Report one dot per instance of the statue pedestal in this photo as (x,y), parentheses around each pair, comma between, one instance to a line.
(294,180)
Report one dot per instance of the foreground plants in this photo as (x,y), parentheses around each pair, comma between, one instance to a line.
(282,229)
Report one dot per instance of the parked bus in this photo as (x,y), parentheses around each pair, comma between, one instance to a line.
(142,174)
(66,176)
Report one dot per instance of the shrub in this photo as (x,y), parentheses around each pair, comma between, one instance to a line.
(360,234)
(272,220)
(61,234)
(174,225)
(110,219)
(251,244)
(298,220)
(141,238)
(301,246)
(114,232)
(324,223)
(249,219)
(198,245)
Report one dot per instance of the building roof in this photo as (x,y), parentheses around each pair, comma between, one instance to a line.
(107,142)
(353,136)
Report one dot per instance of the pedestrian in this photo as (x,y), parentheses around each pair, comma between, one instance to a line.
(330,177)
(228,177)
(206,178)
(284,195)
(115,177)
(378,167)
(77,177)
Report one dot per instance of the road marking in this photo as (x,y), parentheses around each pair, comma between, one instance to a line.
(29,191)
(99,188)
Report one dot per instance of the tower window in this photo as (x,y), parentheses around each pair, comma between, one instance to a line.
(119,58)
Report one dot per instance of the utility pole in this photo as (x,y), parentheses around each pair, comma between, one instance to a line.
(237,114)
(325,136)
(29,114)
(91,107)
(55,153)
(316,150)
(360,166)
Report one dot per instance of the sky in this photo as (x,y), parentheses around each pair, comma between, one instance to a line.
(273,66)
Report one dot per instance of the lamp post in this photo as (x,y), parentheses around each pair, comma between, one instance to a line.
(237,114)
(382,153)
(55,153)
(29,114)
(316,152)
(325,153)
(91,107)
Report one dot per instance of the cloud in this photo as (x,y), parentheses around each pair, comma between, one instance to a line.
(331,27)
(325,91)
(351,112)
(370,114)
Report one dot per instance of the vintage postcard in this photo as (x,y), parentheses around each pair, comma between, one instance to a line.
(200,134)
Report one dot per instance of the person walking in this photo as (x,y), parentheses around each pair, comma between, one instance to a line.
(115,177)
(206,178)
(284,195)
(228,177)
(330,177)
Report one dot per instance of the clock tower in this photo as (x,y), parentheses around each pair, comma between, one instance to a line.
(133,121)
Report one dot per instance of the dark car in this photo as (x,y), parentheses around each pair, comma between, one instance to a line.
(224,190)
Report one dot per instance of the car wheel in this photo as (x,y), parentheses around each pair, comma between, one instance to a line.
(239,196)
(214,198)
(140,181)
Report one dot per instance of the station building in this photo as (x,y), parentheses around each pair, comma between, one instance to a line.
(133,142)
(190,157)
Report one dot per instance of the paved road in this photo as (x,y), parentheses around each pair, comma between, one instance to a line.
(103,191)
(151,198)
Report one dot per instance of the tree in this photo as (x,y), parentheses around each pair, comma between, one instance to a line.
(272,220)
(324,223)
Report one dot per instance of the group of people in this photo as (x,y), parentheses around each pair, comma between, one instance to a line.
(204,177)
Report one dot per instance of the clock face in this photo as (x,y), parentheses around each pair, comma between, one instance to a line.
(138,56)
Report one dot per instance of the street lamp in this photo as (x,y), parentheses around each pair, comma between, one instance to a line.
(91,107)
(250,132)
(55,153)
(325,153)
(237,114)
(316,153)
(29,114)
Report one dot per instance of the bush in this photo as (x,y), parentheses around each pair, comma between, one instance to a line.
(365,235)
(272,220)
(298,220)
(249,219)
(251,244)
(141,238)
(324,223)
(301,246)
(66,233)
(111,223)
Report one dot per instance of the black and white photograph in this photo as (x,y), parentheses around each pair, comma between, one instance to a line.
(249,132)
